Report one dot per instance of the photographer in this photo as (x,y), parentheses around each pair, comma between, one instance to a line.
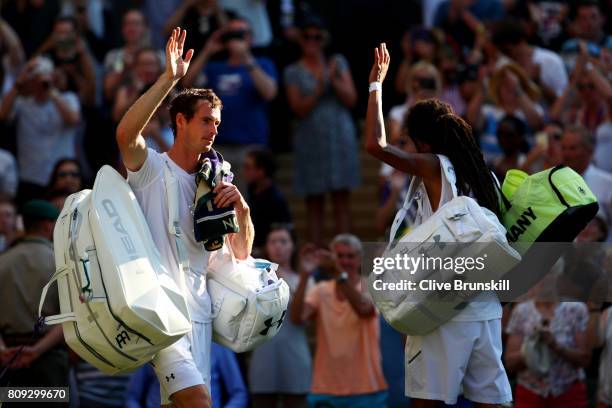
(46,120)
(70,54)
(245,84)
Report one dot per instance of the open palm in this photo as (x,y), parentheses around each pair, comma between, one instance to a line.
(176,65)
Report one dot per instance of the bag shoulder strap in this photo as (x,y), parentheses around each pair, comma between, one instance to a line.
(59,318)
(174,226)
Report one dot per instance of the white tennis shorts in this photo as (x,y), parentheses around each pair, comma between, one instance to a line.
(185,363)
(456,357)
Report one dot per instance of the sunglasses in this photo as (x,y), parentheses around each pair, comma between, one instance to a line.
(590,86)
(75,174)
(234,35)
(313,37)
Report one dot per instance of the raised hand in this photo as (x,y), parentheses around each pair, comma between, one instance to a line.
(176,65)
(381,63)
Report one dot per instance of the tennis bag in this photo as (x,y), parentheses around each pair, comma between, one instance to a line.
(249,302)
(478,233)
(119,306)
(553,205)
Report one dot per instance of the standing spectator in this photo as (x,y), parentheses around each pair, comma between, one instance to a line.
(8,223)
(12,56)
(146,70)
(543,66)
(417,45)
(200,18)
(423,81)
(157,13)
(119,62)
(9,177)
(46,120)
(88,15)
(281,369)
(604,338)
(320,91)
(577,145)
(255,12)
(268,205)
(585,101)
(71,56)
(463,20)
(34,359)
(513,94)
(347,365)
(511,138)
(66,177)
(98,390)
(561,327)
(588,27)
(546,152)
(245,84)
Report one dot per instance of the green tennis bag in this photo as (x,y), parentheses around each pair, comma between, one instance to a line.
(553,205)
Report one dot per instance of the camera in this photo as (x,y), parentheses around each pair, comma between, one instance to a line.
(233,35)
(427,84)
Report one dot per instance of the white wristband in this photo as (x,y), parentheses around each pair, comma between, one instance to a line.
(375,86)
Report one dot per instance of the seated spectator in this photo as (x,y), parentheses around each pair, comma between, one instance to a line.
(281,369)
(46,122)
(66,176)
(320,92)
(513,94)
(8,223)
(423,82)
(511,139)
(71,56)
(347,365)
(34,359)
(119,62)
(560,328)
(604,338)
(227,386)
(542,66)
(267,203)
(199,18)
(546,151)
(9,176)
(577,146)
(587,26)
(244,83)
(586,100)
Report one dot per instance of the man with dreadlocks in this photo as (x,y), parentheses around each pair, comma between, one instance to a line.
(464,353)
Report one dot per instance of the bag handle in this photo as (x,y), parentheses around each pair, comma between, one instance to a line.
(58,318)
(174,226)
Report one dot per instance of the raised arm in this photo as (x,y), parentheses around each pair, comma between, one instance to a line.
(129,138)
(422,165)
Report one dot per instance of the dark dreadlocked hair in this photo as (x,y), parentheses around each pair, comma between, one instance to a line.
(435,124)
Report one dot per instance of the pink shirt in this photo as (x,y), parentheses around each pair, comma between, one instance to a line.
(347,359)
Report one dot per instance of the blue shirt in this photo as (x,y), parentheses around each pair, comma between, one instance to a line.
(244,118)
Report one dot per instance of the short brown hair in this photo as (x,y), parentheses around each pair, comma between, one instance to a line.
(586,137)
(185,102)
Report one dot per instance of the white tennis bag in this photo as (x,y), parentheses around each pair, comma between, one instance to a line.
(249,302)
(461,220)
(119,306)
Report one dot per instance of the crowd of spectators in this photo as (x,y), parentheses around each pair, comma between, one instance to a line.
(532,77)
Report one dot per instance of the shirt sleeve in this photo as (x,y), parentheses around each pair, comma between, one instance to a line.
(553,74)
(150,170)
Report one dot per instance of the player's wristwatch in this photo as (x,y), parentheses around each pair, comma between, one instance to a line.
(342,277)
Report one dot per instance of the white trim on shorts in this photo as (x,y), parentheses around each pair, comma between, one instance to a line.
(456,357)
(185,363)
